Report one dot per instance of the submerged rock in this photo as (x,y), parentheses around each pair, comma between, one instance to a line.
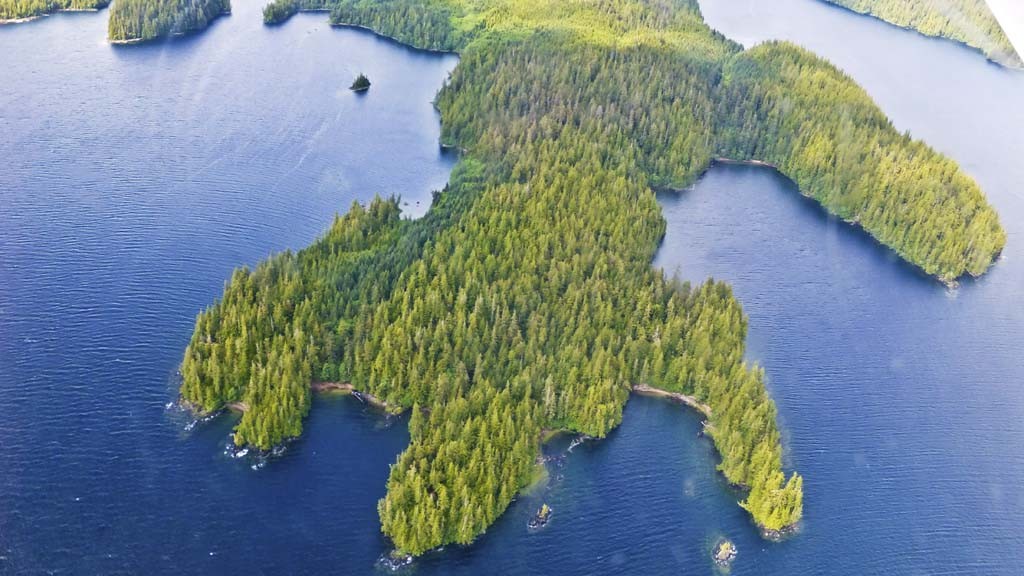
(577,441)
(724,553)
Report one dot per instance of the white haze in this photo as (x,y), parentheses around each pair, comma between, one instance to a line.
(1010,14)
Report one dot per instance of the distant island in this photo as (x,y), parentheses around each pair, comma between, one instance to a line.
(24,10)
(360,84)
(140,20)
(970,22)
(130,21)
(525,299)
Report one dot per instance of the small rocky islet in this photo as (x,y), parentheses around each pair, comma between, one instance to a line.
(541,518)
(724,553)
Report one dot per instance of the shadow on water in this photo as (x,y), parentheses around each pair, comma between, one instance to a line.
(391,41)
(646,499)
(804,210)
(189,39)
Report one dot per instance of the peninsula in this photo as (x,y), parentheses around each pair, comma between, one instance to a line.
(139,20)
(525,298)
(970,22)
(12,11)
(130,21)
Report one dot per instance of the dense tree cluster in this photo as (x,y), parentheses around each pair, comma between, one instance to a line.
(293,310)
(783,105)
(967,21)
(425,24)
(525,300)
(280,10)
(13,9)
(148,19)
(429,22)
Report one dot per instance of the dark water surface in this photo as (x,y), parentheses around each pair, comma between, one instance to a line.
(133,180)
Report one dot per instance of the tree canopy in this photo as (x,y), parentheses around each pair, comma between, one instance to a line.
(525,299)
(149,19)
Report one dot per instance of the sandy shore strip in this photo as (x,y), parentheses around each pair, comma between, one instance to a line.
(682,398)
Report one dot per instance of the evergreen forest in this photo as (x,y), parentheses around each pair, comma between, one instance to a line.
(14,9)
(525,301)
(133,20)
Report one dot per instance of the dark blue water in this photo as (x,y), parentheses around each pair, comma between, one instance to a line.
(133,180)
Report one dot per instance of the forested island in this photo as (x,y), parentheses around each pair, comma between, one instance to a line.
(525,299)
(130,20)
(360,84)
(138,20)
(15,10)
(968,21)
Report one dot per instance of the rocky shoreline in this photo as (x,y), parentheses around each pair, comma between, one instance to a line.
(395,561)
(780,534)
(260,456)
(318,387)
(128,41)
